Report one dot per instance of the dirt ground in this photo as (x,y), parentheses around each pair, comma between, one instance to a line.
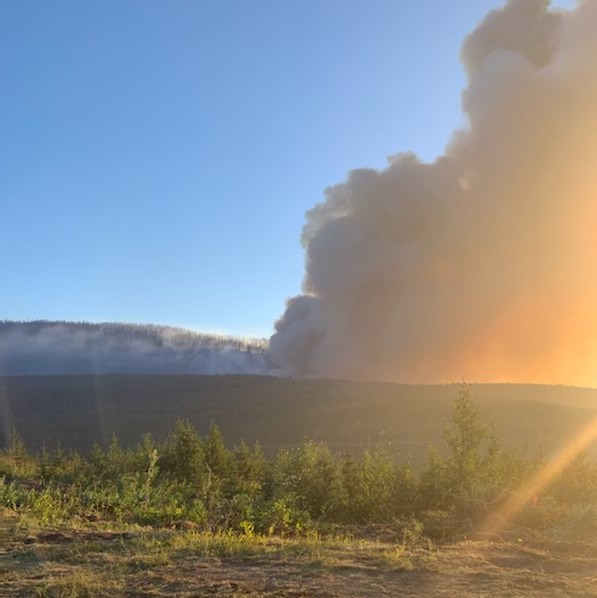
(100,563)
(463,570)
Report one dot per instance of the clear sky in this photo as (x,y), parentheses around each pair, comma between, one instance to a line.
(157,157)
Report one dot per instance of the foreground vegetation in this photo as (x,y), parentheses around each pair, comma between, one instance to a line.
(98,523)
(197,481)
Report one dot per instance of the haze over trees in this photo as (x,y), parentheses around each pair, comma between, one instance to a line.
(42,347)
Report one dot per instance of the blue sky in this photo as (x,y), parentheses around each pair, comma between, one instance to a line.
(157,158)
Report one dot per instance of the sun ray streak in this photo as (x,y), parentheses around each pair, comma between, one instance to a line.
(499,519)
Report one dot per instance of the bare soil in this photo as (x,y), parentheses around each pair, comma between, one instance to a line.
(102,563)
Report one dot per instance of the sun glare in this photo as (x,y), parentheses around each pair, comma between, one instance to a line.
(501,518)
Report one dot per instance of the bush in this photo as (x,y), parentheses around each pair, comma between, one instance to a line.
(182,457)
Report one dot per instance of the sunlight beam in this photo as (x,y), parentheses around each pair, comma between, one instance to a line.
(499,519)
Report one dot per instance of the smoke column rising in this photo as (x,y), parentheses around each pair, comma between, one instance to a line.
(483,264)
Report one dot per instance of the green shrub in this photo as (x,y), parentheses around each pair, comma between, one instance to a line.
(182,457)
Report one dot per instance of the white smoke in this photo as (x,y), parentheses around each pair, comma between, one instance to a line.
(481,265)
(84,348)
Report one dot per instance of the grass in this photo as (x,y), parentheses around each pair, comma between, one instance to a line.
(77,564)
(78,583)
(69,563)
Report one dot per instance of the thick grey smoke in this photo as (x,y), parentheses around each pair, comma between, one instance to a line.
(483,264)
(82,348)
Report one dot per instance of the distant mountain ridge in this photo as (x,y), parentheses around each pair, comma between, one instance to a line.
(48,347)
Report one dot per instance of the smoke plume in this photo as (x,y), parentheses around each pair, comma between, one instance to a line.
(483,264)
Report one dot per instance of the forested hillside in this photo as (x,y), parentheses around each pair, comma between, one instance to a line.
(77,410)
(41,347)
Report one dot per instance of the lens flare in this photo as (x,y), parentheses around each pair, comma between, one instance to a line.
(500,519)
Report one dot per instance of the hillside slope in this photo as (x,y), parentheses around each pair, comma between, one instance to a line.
(78,410)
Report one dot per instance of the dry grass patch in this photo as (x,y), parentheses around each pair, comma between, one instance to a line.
(79,582)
